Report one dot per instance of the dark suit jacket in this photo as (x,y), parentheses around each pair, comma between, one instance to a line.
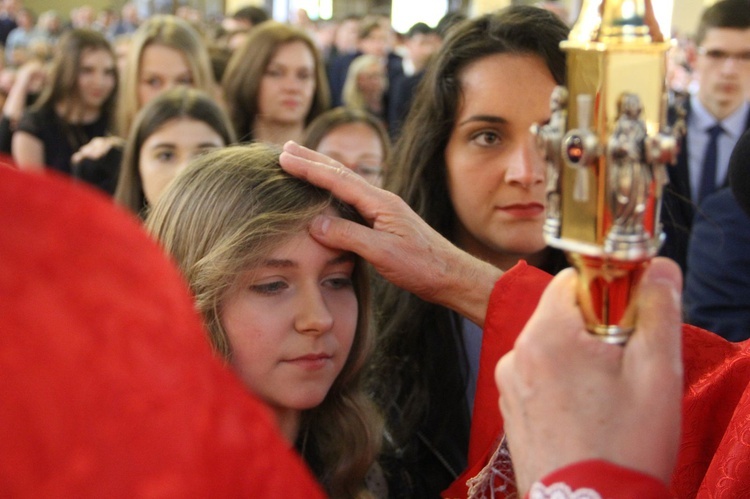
(678,209)
(717,285)
(401,94)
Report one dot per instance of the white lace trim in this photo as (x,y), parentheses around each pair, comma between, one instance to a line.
(561,490)
(496,480)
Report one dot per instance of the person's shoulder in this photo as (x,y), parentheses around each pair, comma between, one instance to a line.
(706,354)
(34,120)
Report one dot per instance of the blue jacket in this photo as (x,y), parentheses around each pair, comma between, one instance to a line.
(717,284)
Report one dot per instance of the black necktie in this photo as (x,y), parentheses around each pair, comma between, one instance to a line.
(708,174)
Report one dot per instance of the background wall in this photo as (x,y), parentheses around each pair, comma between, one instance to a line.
(685,18)
(65,6)
(686,13)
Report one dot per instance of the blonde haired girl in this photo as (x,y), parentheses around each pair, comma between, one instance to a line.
(290,316)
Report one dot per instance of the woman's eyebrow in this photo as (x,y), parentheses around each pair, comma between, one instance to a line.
(485,118)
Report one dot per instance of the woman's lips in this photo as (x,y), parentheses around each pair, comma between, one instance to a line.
(523,210)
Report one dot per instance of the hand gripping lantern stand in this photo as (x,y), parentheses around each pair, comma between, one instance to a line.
(606,148)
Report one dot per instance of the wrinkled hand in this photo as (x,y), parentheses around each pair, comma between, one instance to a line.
(401,246)
(97,148)
(567,397)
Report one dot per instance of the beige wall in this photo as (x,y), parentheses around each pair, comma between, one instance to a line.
(686,12)
(231,6)
(65,6)
(482,6)
(685,15)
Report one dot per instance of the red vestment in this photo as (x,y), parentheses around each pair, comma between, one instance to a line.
(714,456)
(108,385)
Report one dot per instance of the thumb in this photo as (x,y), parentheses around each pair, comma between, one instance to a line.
(339,233)
(659,314)
(653,361)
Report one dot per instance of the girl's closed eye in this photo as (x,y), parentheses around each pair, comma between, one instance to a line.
(269,288)
(339,282)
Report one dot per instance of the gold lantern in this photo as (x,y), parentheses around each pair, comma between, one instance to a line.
(607,146)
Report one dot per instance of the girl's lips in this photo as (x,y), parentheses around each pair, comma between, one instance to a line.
(523,210)
(311,362)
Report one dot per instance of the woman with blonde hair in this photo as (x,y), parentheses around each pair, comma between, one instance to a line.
(275,84)
(164,52)
(290,316)
(366,85)
(173,128)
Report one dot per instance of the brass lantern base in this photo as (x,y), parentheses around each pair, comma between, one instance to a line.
(607,293)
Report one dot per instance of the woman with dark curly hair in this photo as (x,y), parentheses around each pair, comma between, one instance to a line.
(467,164)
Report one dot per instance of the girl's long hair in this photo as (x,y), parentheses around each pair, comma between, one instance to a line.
(62,91)
(242,78)
(177,103)
(224,214)
(169,31)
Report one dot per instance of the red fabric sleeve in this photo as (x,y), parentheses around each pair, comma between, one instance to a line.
(714,457)
(609,480)
(108,385)
(513,300)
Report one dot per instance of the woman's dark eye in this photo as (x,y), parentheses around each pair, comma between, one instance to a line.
(487,138)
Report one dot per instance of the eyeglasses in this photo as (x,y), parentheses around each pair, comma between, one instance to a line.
(368,170)
(720,56)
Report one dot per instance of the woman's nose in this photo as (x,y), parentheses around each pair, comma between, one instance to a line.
(526,166)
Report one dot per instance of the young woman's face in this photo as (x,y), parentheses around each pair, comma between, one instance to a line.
(288,85)
(96,77)
(161,68)
(495,172)
(372,80)
(166,152)
(376,43)
(358,147)
(291,323)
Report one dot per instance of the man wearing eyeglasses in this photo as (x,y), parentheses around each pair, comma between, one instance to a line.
(716,116)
